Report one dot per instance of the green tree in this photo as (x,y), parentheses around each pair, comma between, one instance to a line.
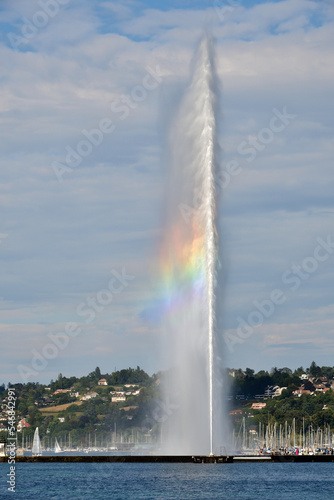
(34,416)
(314,370)
(299,371)
(249,372)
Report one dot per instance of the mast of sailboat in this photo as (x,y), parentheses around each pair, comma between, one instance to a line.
(303,432)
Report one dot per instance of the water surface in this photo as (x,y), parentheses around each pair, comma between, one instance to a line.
(138,481)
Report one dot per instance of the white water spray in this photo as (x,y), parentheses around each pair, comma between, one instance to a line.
(207,138)
(190,255)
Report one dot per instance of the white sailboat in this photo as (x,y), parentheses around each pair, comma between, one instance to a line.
(36,445)
(57,447)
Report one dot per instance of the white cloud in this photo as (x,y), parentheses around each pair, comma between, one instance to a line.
(63,238)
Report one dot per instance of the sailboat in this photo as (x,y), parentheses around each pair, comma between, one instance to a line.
(36,445)
(57,447)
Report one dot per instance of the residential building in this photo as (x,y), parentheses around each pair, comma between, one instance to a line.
(62,391)
(278,391)
(89,395)
(22,424)
(258,406)
(118,399)
(235,412)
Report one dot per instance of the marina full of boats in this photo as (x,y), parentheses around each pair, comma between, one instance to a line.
(284,439)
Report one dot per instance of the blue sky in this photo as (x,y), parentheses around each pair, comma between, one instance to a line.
(65,68)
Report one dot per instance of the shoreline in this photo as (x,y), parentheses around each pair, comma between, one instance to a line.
(173,459)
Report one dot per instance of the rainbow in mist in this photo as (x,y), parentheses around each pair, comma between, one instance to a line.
(183,267)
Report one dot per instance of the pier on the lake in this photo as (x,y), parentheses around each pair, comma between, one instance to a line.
(198,459)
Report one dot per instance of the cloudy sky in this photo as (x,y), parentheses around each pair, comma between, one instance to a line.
(87,92)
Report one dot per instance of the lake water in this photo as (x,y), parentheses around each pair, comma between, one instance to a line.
(139,481)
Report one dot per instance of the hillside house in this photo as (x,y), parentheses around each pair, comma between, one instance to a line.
(301,391)
(118,399)
(278,391)
(235,412)
(62,391)
(22,424)
(258,406)
(89,395)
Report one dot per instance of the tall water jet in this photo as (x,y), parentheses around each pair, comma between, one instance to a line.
(189,260)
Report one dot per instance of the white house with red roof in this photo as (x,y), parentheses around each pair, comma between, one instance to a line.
(23,424)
